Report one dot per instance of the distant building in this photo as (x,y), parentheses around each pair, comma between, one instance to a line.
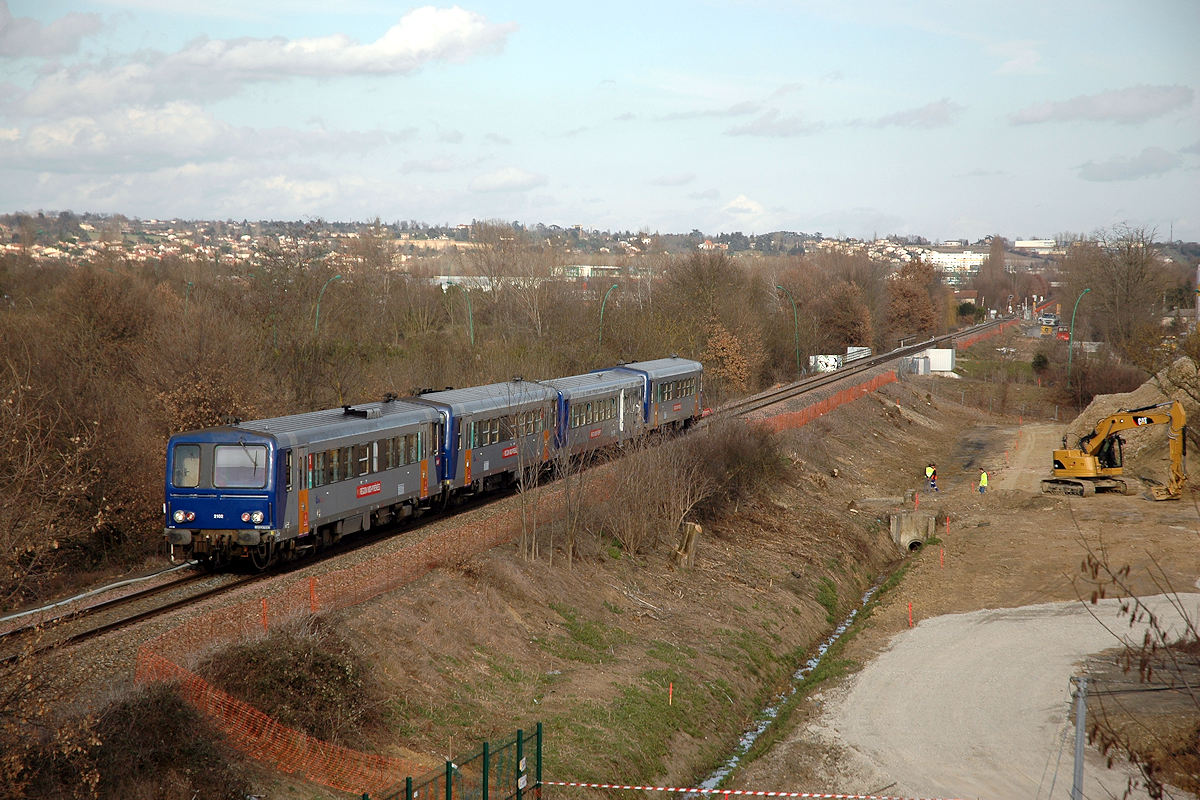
(956,267)
(1040,246)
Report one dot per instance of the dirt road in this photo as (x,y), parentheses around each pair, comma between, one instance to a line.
(974,701)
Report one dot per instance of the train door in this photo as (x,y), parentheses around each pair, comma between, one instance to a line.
(301,472)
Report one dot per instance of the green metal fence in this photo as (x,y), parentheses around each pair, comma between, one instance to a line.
(510,770)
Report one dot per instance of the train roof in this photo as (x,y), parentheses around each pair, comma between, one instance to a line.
(333,423)
(598,382)
(664,368)
(493,397)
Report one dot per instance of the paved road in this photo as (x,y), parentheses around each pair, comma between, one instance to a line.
(976,705)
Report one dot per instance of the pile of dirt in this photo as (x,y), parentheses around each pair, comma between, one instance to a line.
(1146,451)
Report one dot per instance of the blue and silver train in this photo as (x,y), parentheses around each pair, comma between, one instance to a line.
(276,488)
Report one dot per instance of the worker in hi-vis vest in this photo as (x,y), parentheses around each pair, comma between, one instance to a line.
(982,480)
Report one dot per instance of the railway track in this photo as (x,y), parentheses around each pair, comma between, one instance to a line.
(63,624)
(62,630)
(746,405)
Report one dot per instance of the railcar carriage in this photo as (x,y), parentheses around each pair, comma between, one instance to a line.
(598,409)
(272,487)
(673,391)
(488,434)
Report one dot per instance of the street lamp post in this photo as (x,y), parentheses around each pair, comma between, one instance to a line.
(1071,338)
(470,318)
(795,325)
(317,316)
(600,338)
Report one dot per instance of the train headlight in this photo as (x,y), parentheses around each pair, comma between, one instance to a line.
(245,516)
(256,517)
(178,516)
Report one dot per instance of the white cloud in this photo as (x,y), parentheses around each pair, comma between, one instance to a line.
(1019,57)
(742,206)
(140,139)
(213,68)
(507,179)
(772,125)
(1151,161)
(735,110)
(1132,105)
(938,114)
(23,36)
(677,179)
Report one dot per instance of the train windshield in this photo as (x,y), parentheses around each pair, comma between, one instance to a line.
(185,472)
(240,466)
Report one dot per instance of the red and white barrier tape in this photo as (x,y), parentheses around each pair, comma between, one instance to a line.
(734,792)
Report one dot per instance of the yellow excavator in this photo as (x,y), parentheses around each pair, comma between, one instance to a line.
(1096,465)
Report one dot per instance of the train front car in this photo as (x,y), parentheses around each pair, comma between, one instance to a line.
(224,495)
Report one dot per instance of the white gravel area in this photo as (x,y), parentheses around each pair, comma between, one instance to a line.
(978,705)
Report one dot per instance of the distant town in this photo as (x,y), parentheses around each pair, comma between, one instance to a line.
(429,249)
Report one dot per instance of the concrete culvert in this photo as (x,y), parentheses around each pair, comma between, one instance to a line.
(910,529)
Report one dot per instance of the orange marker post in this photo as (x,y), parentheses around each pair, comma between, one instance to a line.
(942,557)
(264,613)
(916,500)
(910,613)
(671,693)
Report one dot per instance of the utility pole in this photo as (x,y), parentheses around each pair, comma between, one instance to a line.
(1080,730)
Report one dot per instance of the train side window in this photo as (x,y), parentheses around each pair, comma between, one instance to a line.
(410,449)
(458,441)
(287,471)
(363,457)
(420,445)
(185,473)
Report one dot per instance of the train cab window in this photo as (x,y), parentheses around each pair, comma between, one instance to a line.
(240,466)
(185,473)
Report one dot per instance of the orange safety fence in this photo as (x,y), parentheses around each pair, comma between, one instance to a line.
(989,333)
(261,736)
(796,419)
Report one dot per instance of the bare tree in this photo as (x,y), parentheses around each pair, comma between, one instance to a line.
(1127,279)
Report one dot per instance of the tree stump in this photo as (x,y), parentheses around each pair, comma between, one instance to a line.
(685,554)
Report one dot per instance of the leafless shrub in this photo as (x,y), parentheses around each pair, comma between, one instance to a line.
(1166,659)
(306,675)
(661,484)
(149,745)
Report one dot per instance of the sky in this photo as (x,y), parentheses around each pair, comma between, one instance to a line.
(853,118)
